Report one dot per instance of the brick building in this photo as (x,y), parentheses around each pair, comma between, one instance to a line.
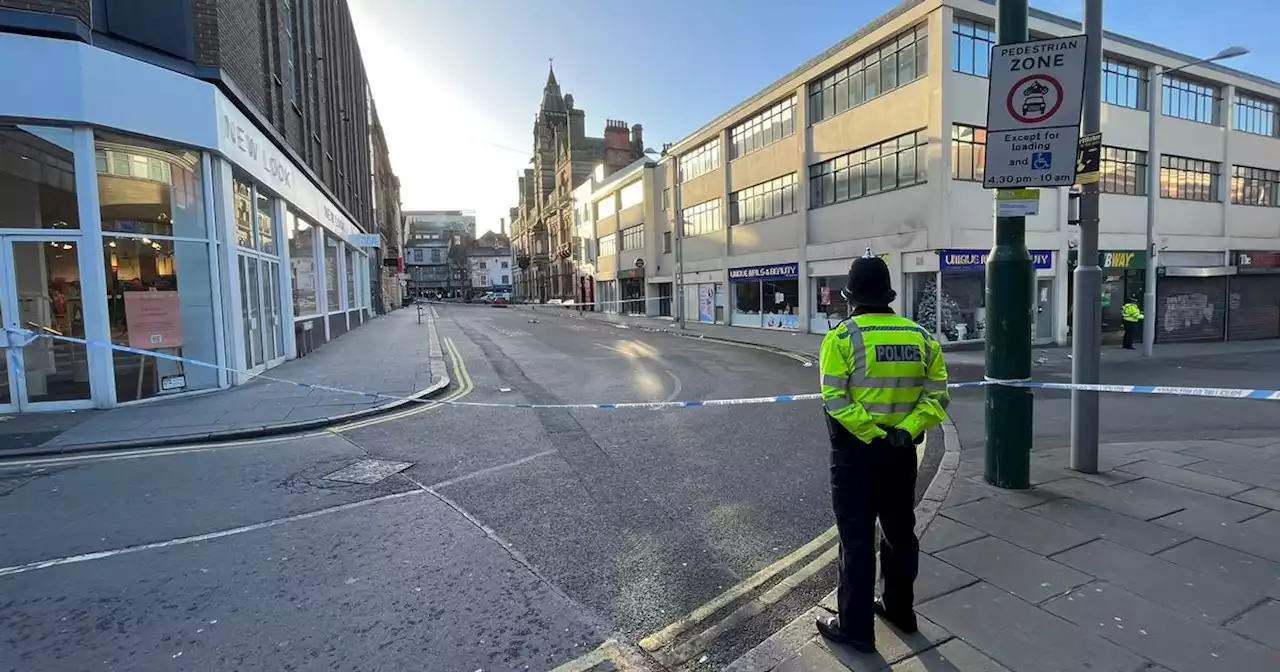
(209,181)
(564,156)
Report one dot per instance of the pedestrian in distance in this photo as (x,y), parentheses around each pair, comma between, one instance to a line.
(1132,316)
(884,384)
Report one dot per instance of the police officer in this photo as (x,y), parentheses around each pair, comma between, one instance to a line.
(884,383)
(1132,315)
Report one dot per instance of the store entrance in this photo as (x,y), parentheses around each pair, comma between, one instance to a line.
(40,294)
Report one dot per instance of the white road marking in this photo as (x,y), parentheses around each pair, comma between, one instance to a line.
(99,555)
(150,452)
(609,347)
(675,391)
(488,470)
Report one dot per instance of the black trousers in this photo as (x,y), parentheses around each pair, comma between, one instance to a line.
(869,482)
(1130,331)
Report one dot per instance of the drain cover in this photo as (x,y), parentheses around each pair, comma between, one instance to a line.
(367,471)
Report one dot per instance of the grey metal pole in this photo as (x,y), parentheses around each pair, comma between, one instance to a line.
(677,219)
(1154,102)
(1087,309)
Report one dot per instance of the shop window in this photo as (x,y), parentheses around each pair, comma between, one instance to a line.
(302,265)
(351,278)
(47,278)
(37,178)
(771,304)
(829,305)
(266,225)
(158,258)
(244,212)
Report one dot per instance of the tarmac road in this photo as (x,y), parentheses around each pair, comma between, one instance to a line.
(515,538)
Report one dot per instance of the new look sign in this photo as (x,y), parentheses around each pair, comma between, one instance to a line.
(973,260)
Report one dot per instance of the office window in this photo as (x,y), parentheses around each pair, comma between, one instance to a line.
(666,199)
(606,207)
(633,237)
(1124,84)
(1254,115)
(1254,186)
(971,43)
(1123,171)
(763,201)
(632,194)
(764,129)
(482,266)
(1185,99)
(700,161)
(895,63)
(666,242)
(892,164)
(292,71)
(702,218)
(506,264)
(968,152)
(1188,179)
(608,244)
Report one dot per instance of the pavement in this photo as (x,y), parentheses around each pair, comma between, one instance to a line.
(393,354)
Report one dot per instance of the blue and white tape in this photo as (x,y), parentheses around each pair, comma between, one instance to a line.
(27,337)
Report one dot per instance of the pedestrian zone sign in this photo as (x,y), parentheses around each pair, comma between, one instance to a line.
(1033,113)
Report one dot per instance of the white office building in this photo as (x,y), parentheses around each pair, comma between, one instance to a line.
(879,143)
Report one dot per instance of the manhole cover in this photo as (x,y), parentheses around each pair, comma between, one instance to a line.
(367,471)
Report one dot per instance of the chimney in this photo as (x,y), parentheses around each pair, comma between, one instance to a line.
(616,135)
(502,226)
(637,139)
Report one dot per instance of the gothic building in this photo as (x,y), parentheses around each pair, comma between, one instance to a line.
(564,156)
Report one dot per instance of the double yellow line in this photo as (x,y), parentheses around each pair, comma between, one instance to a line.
(465,387)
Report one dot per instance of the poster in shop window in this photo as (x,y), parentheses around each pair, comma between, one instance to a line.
(706,303)
(153,320)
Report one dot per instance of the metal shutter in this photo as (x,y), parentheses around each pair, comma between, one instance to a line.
(1254,306)
(1190,309)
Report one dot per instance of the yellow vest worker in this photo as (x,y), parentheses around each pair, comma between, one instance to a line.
(884,384)
(1131,314)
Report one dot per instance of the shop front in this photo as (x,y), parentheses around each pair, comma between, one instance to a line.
(830,307)
(128,230)
(952,300)
(1123,276)
(1254,302)
(631,291)
(766,297)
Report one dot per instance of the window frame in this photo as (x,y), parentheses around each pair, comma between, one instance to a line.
(1250,108)
(764,201)
(1134,161)
(1178,171)
(772,124)
(608,244)
(1264,182)
(976,37)
(700,160)
(1116,76)
(631,238)
(849,84)
(870,167)
(1191,95)
(706,218)
(976,171)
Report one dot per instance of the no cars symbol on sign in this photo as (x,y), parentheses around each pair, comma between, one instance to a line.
(1034,98)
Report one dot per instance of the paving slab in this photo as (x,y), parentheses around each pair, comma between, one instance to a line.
(1025,574)
(1187,591)
(1235,472)
(944,533)
(1227,564)
(1128,448)
(1233,535)
(938,578)
(812,657)
(1119,501)
(1234,453)
(1260,497)
(891,646)
(1258,441)
(1194,480)
(1211,506)
(1261,624)
(1023,636)
(952,656)
(1168,457)
(1131,532)
(1034,533)
(964,490)
(781,645)
(1178,642)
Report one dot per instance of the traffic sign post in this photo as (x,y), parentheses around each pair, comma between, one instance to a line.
(1033,113)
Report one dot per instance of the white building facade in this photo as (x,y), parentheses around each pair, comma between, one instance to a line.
(177,228)
(490,269)
(879,143)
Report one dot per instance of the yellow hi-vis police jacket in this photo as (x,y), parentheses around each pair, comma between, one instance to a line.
(882,370)
(1130,312)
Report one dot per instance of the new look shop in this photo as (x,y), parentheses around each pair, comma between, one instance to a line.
(179,228)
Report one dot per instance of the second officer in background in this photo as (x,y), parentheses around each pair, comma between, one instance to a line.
(884,384)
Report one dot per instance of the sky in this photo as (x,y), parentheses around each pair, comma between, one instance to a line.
(457,83)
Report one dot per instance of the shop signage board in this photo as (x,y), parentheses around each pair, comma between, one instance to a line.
(1033,113)
(1017,202)
(974,260)
(1258,261)
(365,240)
(770,272)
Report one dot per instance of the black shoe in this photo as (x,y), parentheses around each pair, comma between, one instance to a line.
(906,621)
(830,628)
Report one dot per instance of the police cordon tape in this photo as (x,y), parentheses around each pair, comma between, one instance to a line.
(1214,392)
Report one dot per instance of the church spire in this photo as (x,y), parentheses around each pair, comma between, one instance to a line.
(551,77)
(552,100)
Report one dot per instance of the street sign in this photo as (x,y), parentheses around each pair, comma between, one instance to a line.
(365,240)
(1089,159)
(1033,113)
(1017,202)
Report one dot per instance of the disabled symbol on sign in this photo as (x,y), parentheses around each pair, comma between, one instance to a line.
(1041,160)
